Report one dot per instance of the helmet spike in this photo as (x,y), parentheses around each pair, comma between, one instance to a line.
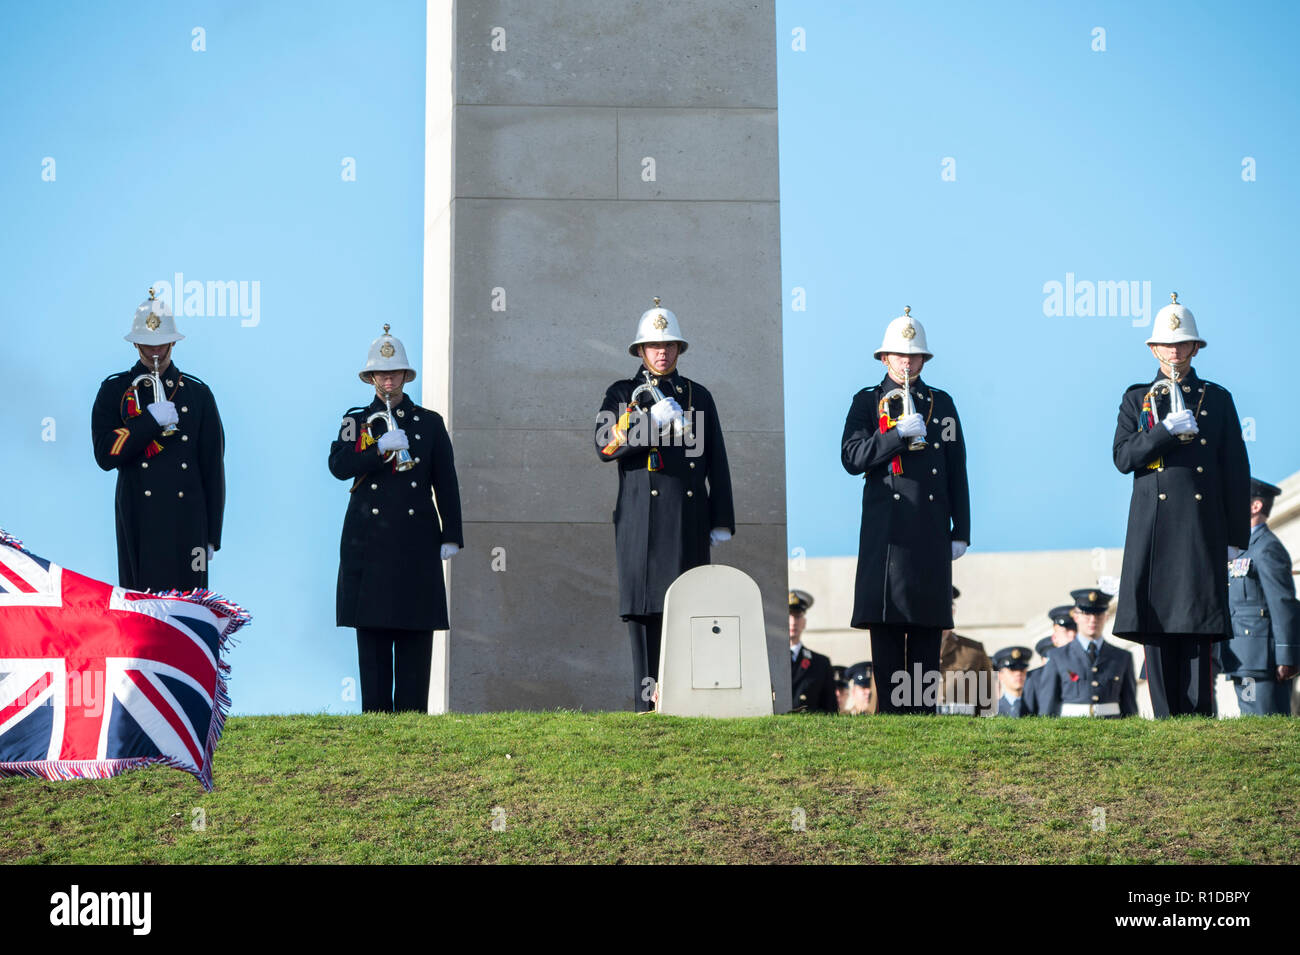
(656,301)
(1173,297)
(907,310)
(386,328)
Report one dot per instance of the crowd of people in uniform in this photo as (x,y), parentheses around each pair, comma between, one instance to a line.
(1193,507)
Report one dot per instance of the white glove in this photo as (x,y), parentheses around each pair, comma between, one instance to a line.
(394,440)
(450,550)
(164,412)
(212,552)
(958,548)
(718,535)
(1234,552)
(911,426)
(665,411)
(1181,422)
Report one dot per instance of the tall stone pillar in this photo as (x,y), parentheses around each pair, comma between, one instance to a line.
(582,157)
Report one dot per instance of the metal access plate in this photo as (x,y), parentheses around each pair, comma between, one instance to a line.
(715,653)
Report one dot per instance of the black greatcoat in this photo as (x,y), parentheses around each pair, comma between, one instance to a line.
(909,520)
(663,518)
(170,503)
(812,683)
(390,565)
(1182,516)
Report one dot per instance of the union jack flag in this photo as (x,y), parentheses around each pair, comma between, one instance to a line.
(96,680)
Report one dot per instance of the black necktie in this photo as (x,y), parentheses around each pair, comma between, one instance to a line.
(1092,653)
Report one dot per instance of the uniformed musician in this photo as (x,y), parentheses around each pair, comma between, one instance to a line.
(915,518)
(1064,629)
(1190,505)
(1263,654)
(1088,676)
(674,485)
(167,445)
(1012,664)
(812,678)
(395,536)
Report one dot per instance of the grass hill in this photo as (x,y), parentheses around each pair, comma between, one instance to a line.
(613,787)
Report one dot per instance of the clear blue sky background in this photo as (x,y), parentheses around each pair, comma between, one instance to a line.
(225,165)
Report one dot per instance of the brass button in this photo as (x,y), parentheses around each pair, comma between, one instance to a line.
(679,389)
(1187,388)
(374,487)
(1162,495)
(934,421)
(1095,699)
(374,510)
(148,493)
(144,464)
(185,437)
(168,382)
(898,497)
(654,492)
(415,417)
(1095,683)
(411,511)
(401,413)
(690,493)
(1094,669)
(184,466)
(417,460)
(934,470)
(936,444)
(1198,497)
(1202,440)
(1199,469)
(183,408)
(932,497)
(1248,633)
(180,493)
(692,465)
(1205,414)
(413,484)
(1161,468)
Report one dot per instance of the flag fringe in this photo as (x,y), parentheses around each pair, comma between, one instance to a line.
(55,769)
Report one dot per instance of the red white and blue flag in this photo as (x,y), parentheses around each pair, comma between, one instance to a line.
(96,680)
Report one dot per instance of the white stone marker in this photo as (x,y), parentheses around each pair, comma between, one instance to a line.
(713,660)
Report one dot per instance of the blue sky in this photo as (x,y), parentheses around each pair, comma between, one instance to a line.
(1123,165)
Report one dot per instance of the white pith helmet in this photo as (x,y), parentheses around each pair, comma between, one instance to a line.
(655,326)
(153,324)
(1174,324)
(386,354)
(904,336)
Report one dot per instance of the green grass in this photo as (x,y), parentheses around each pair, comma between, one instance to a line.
(613,787)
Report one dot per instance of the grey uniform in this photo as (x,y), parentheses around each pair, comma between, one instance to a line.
(1265,625)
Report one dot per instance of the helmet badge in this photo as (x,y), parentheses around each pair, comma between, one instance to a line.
(1174,321)
(387,349)
(909,330)
(661,323)
(153,321)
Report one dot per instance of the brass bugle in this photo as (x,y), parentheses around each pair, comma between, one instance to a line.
(403,456)
(155,383)
(681,426)
(1174,389)
(904,394)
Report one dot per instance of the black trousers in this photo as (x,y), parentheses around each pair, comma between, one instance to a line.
(905,664)
(376,650)
(1178,674)
(645,633)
